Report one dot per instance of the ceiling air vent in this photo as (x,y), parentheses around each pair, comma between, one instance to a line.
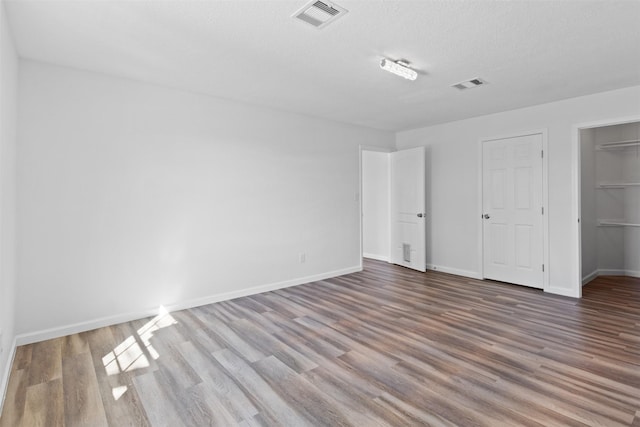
(319,13)
(468,84)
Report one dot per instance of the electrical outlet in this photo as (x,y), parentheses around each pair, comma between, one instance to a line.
(303,258)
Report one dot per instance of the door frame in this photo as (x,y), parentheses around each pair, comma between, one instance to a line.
(545,200)
(576,188)
(362,148)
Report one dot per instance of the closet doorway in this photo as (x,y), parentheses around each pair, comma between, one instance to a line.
(375,203)
(609,200)
(393,214)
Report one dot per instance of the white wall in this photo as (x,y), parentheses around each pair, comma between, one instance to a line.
(454,151)
(375,205)
(133,196)
(588,219)
(8,99)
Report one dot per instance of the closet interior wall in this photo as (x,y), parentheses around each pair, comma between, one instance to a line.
(610,201)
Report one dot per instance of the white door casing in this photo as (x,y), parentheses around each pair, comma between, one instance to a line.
(512,204)
(408,238)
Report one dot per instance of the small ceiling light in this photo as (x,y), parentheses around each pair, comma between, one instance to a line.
(400,68)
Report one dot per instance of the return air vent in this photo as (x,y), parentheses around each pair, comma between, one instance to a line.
(319,13)
(468,84)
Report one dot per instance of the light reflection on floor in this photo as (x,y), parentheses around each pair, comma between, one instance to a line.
(129,355)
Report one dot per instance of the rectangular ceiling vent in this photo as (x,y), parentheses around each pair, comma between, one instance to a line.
(468,84)
(319,13)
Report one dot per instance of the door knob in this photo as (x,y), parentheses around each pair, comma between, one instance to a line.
(486,216)
(420,215)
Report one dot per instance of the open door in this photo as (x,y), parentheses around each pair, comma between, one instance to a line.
(408,238)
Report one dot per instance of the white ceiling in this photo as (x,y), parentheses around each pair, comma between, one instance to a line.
(530,52)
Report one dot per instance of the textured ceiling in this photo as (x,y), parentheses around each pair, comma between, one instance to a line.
(530,52)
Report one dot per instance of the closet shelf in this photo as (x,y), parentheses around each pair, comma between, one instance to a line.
(618,145)
(618,185)
(616,223)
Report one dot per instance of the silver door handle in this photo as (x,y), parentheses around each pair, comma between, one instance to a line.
(486,216)
(420,215)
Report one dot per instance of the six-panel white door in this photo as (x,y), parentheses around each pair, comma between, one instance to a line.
(408,238)
(512,210)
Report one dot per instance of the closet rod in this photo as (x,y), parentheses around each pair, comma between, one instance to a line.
(618,185)
(621,144)
(602,223)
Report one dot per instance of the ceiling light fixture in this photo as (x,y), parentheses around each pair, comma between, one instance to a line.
(399,68)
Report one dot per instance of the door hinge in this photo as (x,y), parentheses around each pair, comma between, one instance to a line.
(543,268)
(542,154)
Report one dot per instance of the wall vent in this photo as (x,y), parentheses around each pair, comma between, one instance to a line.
(468,84)
(406,252)
(319,13)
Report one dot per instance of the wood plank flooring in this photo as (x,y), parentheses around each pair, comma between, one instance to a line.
(384,347)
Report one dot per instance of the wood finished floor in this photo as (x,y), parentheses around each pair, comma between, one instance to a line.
(387,346)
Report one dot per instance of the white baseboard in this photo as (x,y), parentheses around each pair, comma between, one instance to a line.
(611,272)
(632,273)
(456,271)
(565,292)
(375,256)
(75,328)
(589,277)
(4,383)
(260,289)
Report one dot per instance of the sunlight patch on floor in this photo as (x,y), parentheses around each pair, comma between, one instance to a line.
(132,353)
(119,391)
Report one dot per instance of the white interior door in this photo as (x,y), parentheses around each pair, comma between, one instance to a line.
(512,210)
(408,238)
